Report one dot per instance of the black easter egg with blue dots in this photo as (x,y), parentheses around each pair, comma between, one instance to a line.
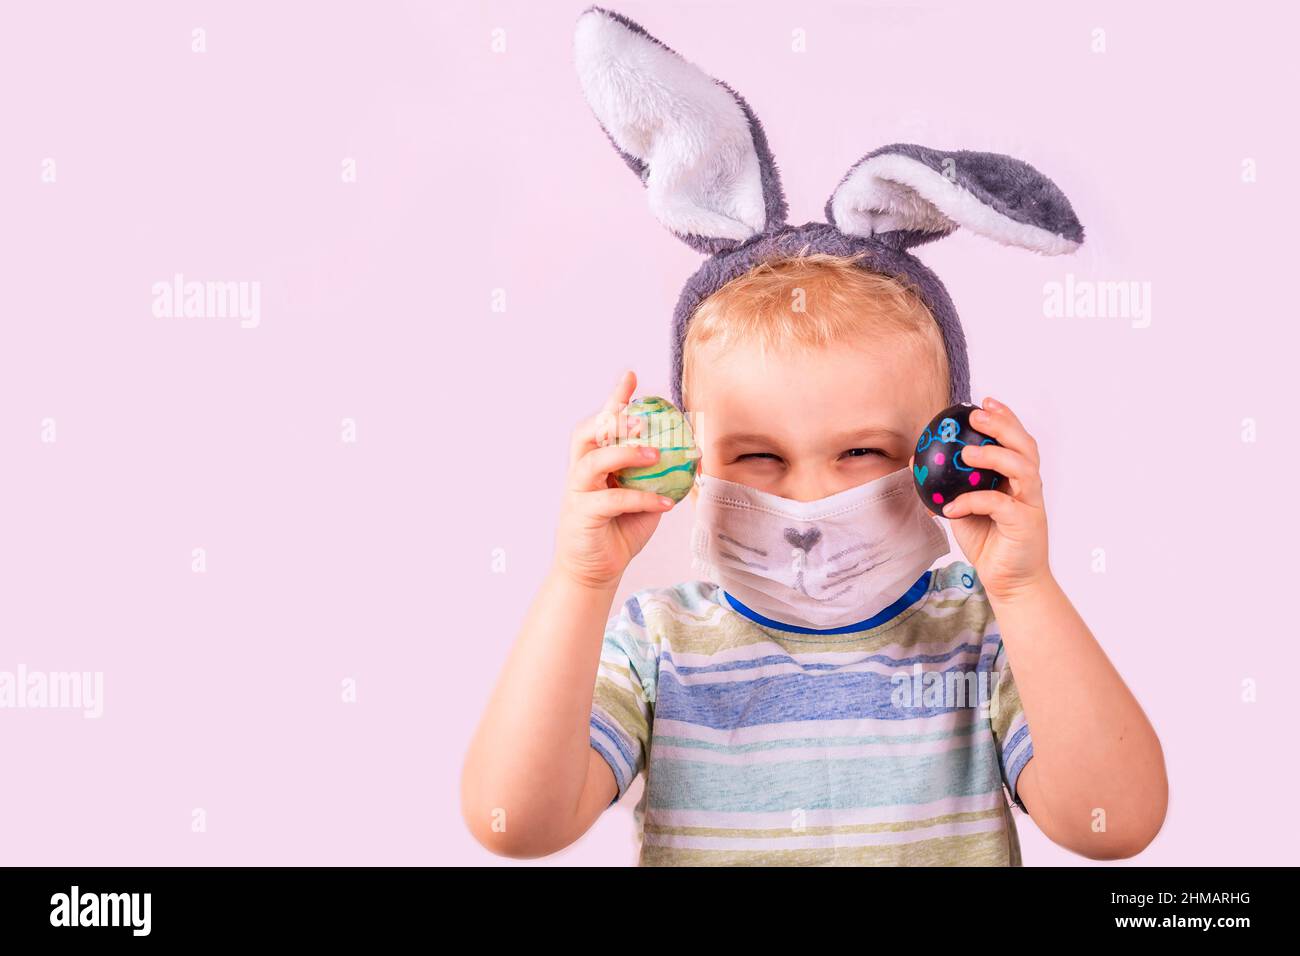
(938,469)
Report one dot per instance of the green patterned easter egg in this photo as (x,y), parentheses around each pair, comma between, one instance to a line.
(667,429)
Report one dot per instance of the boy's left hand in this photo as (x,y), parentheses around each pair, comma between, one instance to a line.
(1003,535)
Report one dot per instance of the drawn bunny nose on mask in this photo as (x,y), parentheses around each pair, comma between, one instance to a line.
(802,542)
(711,180)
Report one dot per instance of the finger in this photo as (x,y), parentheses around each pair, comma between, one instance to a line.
(612,502)
(609,423)
(1027,484)
(994,504)
(616,402)
(622,392)
(600,432)
(998,421)
(593,468)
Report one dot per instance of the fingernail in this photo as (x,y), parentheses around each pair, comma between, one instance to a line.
(647,452)
(949,508)
(992,403)
(666,502)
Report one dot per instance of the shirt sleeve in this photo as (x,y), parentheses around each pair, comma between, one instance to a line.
(1010,730)
(622,704)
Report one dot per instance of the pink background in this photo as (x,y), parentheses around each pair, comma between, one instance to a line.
(479,171)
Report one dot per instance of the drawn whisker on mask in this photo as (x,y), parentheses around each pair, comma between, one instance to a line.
(835,575)
(830,575)
(849,550)
(740,544)
(749,564)
(828,597)
(846,576)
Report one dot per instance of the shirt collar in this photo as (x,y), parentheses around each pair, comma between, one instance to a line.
(902,604)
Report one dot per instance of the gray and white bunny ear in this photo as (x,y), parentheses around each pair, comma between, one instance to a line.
(906,195)
(697,147)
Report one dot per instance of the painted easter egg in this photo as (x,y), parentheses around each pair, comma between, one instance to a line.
(667,429)
(941,474)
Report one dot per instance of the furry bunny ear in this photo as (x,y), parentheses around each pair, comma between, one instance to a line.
(697,147)
(907,195)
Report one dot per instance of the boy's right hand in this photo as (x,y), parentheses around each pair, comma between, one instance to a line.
(603,526)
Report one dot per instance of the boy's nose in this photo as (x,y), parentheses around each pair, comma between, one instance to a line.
(804,540)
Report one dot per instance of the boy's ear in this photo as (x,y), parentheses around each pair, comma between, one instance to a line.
(697,147)
(907,195)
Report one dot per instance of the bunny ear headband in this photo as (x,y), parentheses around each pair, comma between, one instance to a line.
(704,160)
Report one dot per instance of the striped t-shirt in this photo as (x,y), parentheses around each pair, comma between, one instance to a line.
(886,743)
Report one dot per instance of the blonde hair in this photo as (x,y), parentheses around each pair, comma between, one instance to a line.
(839,301)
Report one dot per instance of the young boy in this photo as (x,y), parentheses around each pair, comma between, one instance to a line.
(768,743)
(825,696)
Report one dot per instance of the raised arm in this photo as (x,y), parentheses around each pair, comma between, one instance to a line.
(531,782)
(1096,783)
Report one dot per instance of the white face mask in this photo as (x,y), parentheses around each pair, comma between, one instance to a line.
(819,564)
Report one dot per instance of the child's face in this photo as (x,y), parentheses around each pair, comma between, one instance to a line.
(806,424)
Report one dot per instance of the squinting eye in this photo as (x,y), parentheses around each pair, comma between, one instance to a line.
(853,452)
(759,454)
